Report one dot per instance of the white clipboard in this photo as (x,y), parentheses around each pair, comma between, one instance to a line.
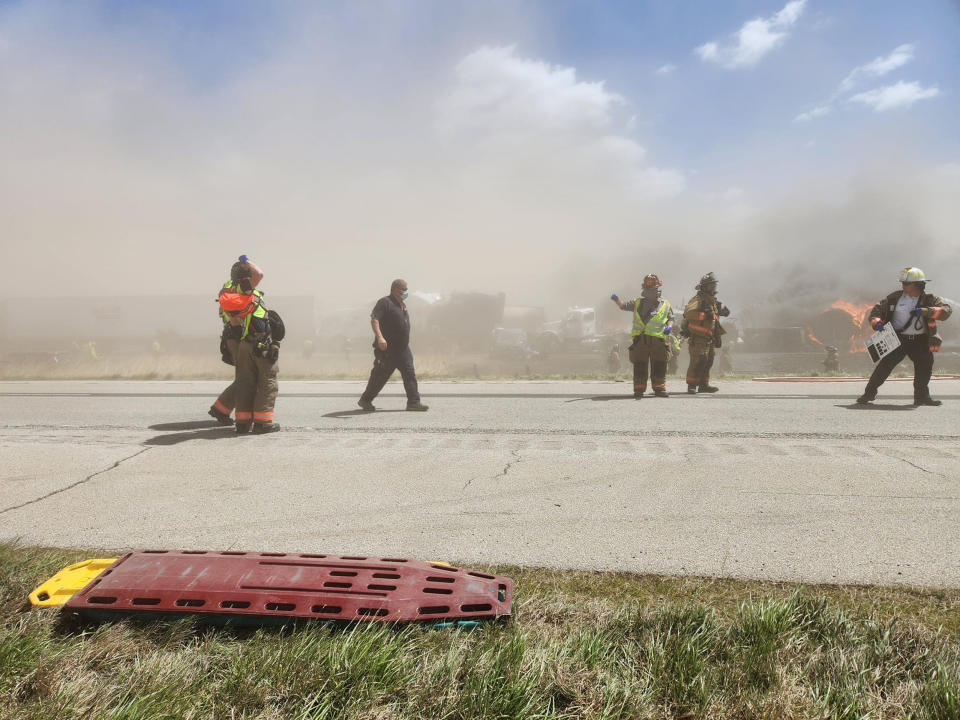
(882,343)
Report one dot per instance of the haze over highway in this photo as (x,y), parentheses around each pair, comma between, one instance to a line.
(787,481)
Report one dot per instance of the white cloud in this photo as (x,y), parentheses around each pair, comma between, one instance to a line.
(878,67)
(708,51)
(789,14)
(755,39)
(813,114)
(666,69)
(891,97)
(900,95)
(515,113)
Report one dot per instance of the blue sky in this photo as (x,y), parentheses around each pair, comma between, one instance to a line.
(699,117)
(701,113)
(217,123)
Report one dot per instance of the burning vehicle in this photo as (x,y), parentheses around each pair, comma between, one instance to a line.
(843,325)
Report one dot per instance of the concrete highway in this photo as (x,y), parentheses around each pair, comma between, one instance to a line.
(786,481)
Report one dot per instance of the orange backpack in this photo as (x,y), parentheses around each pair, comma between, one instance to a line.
(237,305)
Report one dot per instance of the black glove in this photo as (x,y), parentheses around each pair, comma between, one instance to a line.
(272,354)
(722,310)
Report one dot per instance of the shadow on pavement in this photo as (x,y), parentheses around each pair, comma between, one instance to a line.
(675,394)
(192,425)
(354,413)
(646,396)
(208,433)
(875,406)
(601,398)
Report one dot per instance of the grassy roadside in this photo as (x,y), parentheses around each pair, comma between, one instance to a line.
(580,645)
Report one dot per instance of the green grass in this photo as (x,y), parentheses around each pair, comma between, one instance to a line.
(580,645)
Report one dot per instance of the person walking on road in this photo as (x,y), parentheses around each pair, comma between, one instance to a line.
(257,352)
(244,278)
(652,325)
(701,323)
(913,313)
(390,322)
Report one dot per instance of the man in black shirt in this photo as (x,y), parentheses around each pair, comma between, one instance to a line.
(391,348)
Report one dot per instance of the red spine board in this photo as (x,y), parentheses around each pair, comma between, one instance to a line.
(343,588)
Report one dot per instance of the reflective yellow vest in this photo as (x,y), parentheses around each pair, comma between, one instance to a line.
(259,311)
(655,325)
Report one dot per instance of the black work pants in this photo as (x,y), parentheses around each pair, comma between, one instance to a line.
(384,363)
(918,350)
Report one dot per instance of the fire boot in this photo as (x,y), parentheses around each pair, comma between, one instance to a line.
(243,428)
(221,417)
(869,397)
(264,428)
(927,400)
(707,388)
(660,392)
(692,389)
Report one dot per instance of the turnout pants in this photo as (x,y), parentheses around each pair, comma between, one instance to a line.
(917,348)
(653,350)
(701,360)
(227,400)
(256,382)
(384,363)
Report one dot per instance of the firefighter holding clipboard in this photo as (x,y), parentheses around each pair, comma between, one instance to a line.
(912,314)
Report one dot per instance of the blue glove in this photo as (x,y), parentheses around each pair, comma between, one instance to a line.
(917,312)
(878,326)
(615,297)
(244,258)
(667,329)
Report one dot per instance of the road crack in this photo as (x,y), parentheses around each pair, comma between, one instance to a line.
(506,468)
(930,472)
(89,477)
(913,464)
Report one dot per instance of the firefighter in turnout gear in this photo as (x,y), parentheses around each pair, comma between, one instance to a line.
(652,325)
(914,314)
(244,278)
(256,360)
(701,323)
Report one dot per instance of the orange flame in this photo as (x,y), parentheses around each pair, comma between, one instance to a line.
(858,314)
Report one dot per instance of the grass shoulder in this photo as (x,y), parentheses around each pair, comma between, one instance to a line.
(580,645)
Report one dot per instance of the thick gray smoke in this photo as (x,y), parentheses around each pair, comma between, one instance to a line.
(339,163)
(783,263)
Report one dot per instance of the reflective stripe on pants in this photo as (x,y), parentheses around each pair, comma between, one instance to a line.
(256,385)
(701,360)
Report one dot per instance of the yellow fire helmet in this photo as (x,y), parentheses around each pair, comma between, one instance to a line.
(912,274)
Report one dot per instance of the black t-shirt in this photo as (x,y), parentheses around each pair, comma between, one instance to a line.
(394,322)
